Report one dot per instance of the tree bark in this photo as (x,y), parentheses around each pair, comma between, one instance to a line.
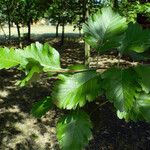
(80,35)
(1,26)
(63,33)
(9,27)
(87,46)
(29,30)
(57,27)
(18,31)
(19,35)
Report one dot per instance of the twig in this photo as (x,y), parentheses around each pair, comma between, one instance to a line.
(102,104)
(75,71)
(119,58)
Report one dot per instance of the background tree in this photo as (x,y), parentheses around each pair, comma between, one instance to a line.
(60,13)
(33,11)
(7,9)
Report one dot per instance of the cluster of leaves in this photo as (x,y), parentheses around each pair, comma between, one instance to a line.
(107,31)
(72,91)
(127,88)
(131,9)
(22,12)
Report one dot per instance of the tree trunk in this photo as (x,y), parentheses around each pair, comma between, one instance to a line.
(87,54)
(29,30)
(19,35)
(3,30)
(9,27)
(87,46)
(18,30)
(57,27)
(80,35)
(63,33)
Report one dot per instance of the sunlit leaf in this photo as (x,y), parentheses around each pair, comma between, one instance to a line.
(10,58)
(104,29)
(47,56)
(75,90)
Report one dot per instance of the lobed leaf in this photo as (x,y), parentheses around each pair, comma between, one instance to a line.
(104,29)
(45,55)
(75,90)
(143,105)
(74,131)
(32,71)
(10,58)
(144,77)
(120,86)
(135,39)
(39,58)
(140,111)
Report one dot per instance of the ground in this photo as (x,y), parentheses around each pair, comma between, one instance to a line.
(19,130)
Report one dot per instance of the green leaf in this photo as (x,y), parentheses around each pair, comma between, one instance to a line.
(144,105)
(75,90)
(104,29)
(10,58)
(144,77)
(33,69)
(136,39)
(140,110)
(74,131)
(47,56)
(120,87)
(40,108)
(44,55)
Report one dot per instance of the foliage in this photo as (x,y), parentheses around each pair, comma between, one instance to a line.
(127,88)
(40,108)
(9,57)
(115,33)
(61,12)
(104,29)
(76,90)
(135,39)
(74,131)
(22,12)
(120,87)
(131,9)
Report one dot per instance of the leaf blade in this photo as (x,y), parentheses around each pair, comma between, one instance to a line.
(120,86)
(75,90)
(41,107)
(104,29)
(74,131)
